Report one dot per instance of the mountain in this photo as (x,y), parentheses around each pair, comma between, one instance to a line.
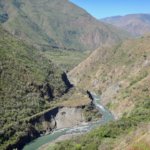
(59,24)
(29,83)
(121,75)
(137,24)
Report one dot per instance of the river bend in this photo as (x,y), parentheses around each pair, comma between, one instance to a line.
(106,117)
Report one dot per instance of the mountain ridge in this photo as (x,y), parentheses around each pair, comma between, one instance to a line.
(137,24)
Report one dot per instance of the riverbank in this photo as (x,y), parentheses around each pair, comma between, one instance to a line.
(67,133)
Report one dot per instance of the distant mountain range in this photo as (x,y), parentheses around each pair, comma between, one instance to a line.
(137,24)
(56,23)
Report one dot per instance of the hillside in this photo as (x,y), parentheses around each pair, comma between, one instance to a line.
(137,24)
(121,75)
(57,24)
(29,82)
(117,73)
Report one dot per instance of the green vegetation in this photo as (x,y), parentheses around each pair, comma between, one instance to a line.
(27,78)
(29,82)
(67,59)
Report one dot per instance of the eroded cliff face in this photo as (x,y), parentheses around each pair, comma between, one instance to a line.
(57,118)
(44,123)
(68,117)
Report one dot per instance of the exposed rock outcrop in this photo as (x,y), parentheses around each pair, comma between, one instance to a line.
(68,117)
(60,117)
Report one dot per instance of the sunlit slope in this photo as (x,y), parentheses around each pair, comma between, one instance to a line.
(120,73)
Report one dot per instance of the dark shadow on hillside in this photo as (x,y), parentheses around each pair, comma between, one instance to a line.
(90,96)
(67,82)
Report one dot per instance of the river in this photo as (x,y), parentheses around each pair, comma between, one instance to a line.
(106,117)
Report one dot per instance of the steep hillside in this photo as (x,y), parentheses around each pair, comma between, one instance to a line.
(28,81)
(137,24)
(122,76)
(32,91)
(56,23)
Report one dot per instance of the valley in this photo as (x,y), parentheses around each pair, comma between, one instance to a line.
(70,81)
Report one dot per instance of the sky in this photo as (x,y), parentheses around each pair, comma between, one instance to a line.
(106,8)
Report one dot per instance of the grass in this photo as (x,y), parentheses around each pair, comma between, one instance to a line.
(30,86)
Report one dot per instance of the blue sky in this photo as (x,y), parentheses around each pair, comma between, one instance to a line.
(106,8)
